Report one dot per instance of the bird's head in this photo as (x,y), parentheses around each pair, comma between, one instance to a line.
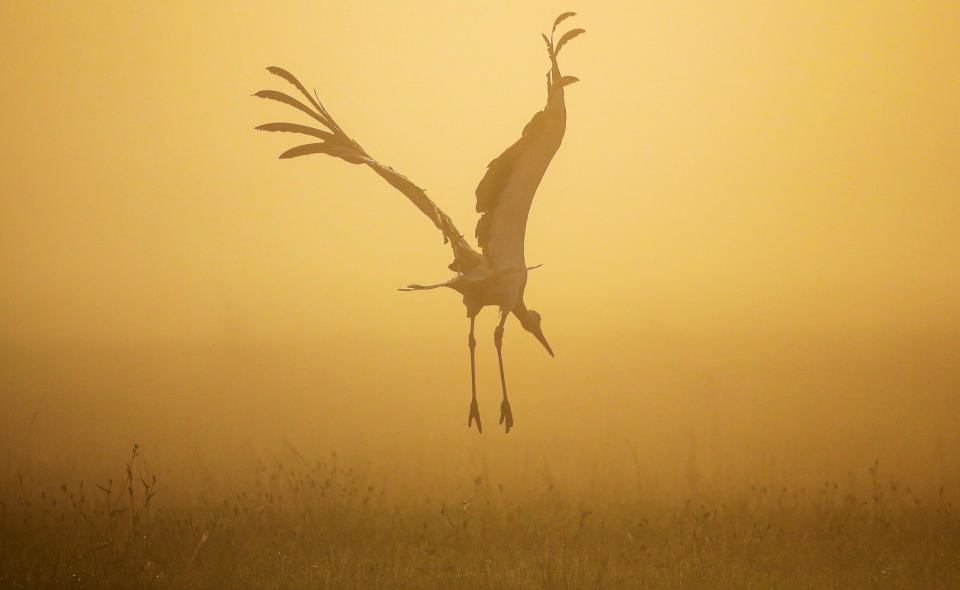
(530,320)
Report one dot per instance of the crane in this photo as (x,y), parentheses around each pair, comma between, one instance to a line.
(497,274)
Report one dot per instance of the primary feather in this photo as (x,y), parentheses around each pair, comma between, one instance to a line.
(287,99)
(561,18)
(566,37)
(294,128)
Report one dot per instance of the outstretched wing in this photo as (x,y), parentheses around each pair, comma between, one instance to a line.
(335,142)
(506,191)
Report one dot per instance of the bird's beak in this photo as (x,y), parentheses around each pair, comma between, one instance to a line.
(543,341)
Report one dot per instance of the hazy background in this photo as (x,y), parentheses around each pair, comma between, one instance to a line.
(749,239)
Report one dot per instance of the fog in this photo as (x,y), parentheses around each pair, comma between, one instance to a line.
(748,238)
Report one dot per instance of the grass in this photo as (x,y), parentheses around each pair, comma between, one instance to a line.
(320,525)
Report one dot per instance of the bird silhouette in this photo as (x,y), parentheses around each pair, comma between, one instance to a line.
(497,275)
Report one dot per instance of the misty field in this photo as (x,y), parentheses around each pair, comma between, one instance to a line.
(319,524)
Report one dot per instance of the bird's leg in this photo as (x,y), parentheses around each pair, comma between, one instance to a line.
(474,409)
(506,416)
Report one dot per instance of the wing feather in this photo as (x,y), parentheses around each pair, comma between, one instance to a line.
(278,71)
(566,37)
(287,99)
(294,128)
(561,18)
(347,154)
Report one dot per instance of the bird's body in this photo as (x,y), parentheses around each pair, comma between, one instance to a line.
(482,287)
(504,291)
(497,275)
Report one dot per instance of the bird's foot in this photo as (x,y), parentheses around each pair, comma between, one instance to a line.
(474,415)
(506,416)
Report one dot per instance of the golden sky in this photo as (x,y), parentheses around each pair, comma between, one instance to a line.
(736,178)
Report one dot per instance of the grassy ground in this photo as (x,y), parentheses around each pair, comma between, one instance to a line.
(320,526)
